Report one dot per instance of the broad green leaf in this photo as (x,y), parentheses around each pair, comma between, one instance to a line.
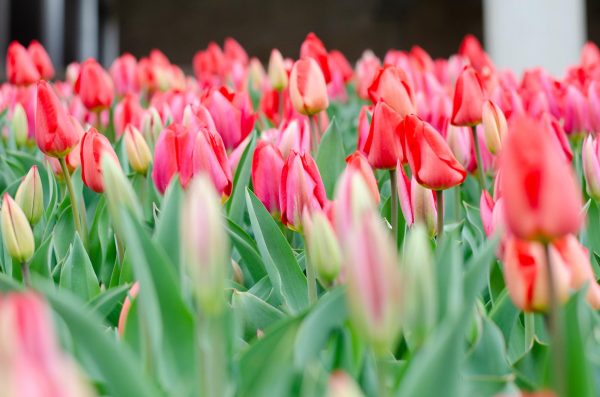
(106,302)
(255,313)
(77,274)
(167,228)
(236,205)
(246,247)
(41,261)
(331,157)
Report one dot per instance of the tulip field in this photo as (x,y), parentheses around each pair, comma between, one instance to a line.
(303,226)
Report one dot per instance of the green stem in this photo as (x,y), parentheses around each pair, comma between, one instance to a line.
(457,204)
(554,325)
(74,206)
(381,379)
(25,274)
(480,171)
(311,278)
(213,351)
(529,330)
(394,204)
(314,134)
(439,195)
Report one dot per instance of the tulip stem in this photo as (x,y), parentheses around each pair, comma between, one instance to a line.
(25,274)
(213,351)
(554,326)
(529,330)
(480,171)
(74,206)
(314,134)
(311,277)
(394,204)
(381,378)
(439,195)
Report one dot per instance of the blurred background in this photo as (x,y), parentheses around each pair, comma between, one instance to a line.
(517,33)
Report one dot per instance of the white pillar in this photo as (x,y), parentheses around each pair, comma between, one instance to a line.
(53,30)
(521,34)
(88,29)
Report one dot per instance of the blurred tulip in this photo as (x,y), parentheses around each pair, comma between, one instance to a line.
(267,164)
(19,125)
(575,111)
(41,60)
(384,146)
(492,214)
(542,199)
(494,126)
(558,136)
(232,115)
(16,231)
(151,125)
(590,152)
(138,152)
(30,196)
(432,163)
(468,99)
(342,385)
(93,147)
(364,125)
(128,111)
(460,141)
(391,86)
(20,68)
(417,203)
(172,155)
(257,77)
(123,72)
(471,49)
(209,157)
(312,47)
(94,86)
(295,136)
(339,65)
(322,246)
(55,133)
(301,189)
(366,69)
(204,244)
(353,198)
(277,74)
(358,163)
(308,89)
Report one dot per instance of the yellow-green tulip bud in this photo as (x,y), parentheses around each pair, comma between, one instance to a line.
(138,152)
(19,126)
(30,196)
(16,231)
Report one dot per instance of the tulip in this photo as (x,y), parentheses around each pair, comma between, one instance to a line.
(590,153)
(313,48)
(209,157)
(234,51)
(16,231)
(559,136)
(366,69)
(542,199)
(123,72)
(256,75)
(308,89)
(339,66)
(32,361)
(232,115)
(322,246)
(383,146)
(525,273)
(575,111)
(151,125)
(128,111)
(301,189)
(173,154)
(30,196)
(204,244)
(364,125)
(432,163)
(353,198)
(295,136)
(55,133)
(342,385)
(358,163)
(19,125)
(277,74)
(124,314)
(391,85)
(41,60)
(416,202)
(374,286)
(93,147)
(138,152)
(20,69)
(590,55)
(471,49)
(460,141)
(494,126)
(267,164)
(94,86)
(468,99)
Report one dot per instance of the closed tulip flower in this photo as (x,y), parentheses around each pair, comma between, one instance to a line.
(460,141)
(301,189)
(138,152)
(471,49)
(232,115)
(322,246)
(19,125)
(93,147)
(312,47)
(30,196)
(41,60)
(367,68)
(277,73)
(432,163)
(492,214)
(383,146)
(173,155)
(128,111)
(94,86)
(151,125)
(209,157)
(494,126)
(591,166)
(468,99)
(358,163)
(123,72)
(16,231)
(56,135)
(542,197)
(364,125)
(20,69)
(391,85)
(559,137)
(308,89)
(575,111)
(417,203)
(267,165)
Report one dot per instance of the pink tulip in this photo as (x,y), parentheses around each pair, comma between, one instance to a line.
(417,203)
(364,125)
(308,89)
(294,137)
(575,111)
(41,60)
(366,69)
(94,147)
(313,48)
(209,157)
(232,115)
(94,86)
(128,111)
(391,86)
(123,72)
(267,165)
(133,293)
(468,99)
(20,69)
(591,166)
(173,155)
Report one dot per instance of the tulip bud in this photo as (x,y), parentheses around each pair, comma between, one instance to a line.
(93,148)
(30,196)
(173,154)
(20,69)
(416,202)
(151,125)
(323,249)
(308,90)
(460,141)
(204,244)
(353,199)
(267,164)
(391,85)
(342,385)
(420,294)
(41,60)
(384,144)
(138,152)
(19,126)
(94,86)
(16,231)
(312,47)
(590,153)
(494,126)
(256,75)
(277,73)
(468,99)
(209,156)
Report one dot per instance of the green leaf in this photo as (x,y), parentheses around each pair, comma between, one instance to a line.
(255,313)
(41,261)
(331,157)
(167,228)
(246,247)
(77,274)
(236,205)
(106,302)
(289,283)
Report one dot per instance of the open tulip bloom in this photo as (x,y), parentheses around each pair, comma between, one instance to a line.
(315,225)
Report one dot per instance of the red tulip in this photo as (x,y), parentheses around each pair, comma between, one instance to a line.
(358,163)
(313,47)
(234,51)
(294,137)
(575,111)
(208,65)
(391,85)
(128,111)
(232,115)
(124,74)
(301,189)
(55,133)
(366,69)
(590,55)
(94,86)
(209,157)
(468,99)
(41,60)
(558,136)
(20,69)
(471,49)
(383,145)
(172,155)
(418,204)
(307,87)
(267,165)
(432,163)
(542,197)
(94,146)
(339,65)
(364,125)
